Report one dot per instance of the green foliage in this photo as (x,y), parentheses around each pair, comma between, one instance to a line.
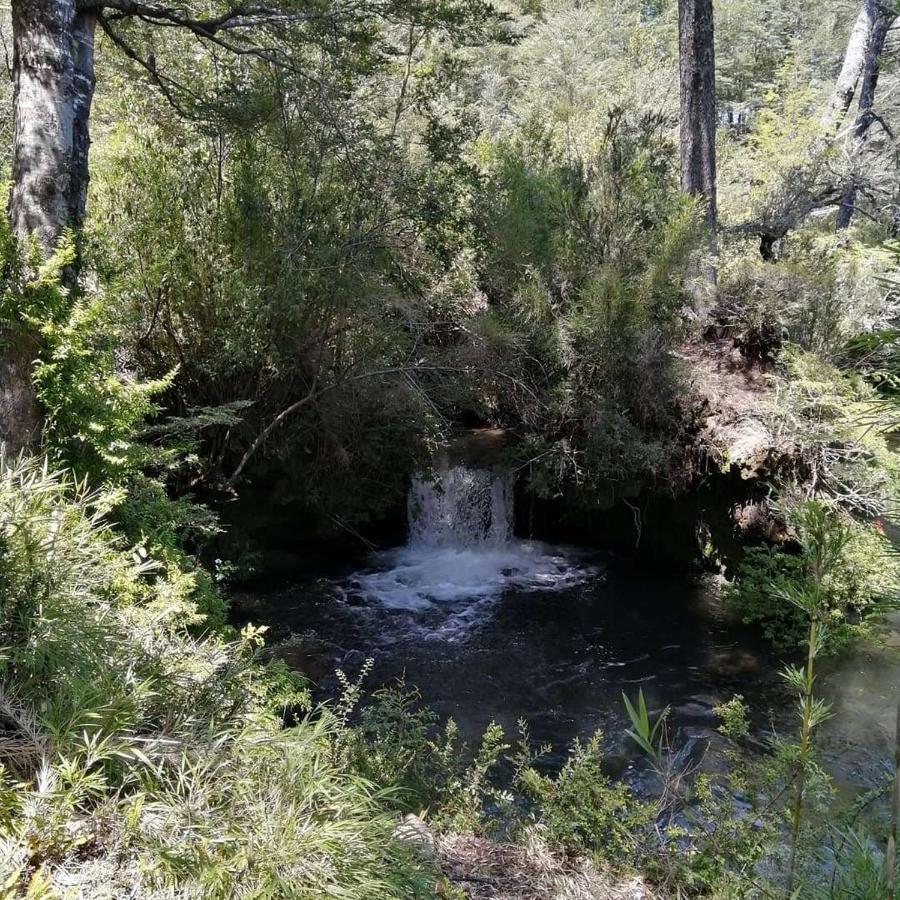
(94,415)
(861,869)
(582,809)
(468,788)
(157,758)
(399,742)
(255,318)
(860,578)
(733,716)
(582,308)
(97,416)
(82,611)
(823,538)
(469,273)
(649,737)
(302,280)
(95,412)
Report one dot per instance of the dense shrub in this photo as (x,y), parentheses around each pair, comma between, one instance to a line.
(833,429)
(819,294)
(582,809)
(863,578)
(144,757)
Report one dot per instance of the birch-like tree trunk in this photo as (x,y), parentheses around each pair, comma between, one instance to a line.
(884,20)
(852,68)
(53,69)
(697,65)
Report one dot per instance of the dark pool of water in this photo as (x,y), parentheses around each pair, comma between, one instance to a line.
(560,659)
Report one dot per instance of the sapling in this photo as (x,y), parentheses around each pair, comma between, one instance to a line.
(891,856)
(824,538)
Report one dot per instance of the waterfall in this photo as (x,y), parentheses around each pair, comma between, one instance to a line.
(461,508)
(461,555)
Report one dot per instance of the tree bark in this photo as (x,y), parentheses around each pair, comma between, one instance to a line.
(53,70)
(20,418)
(698,103)
(852,68)
(866,115)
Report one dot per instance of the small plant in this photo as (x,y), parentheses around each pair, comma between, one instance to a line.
(581,808)
(824,539)
(851,593)
(733,717)
(648,736)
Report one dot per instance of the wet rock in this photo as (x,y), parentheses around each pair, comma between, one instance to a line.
(353,660)
(480,447)
(691,753)
(734,661)
(355,599)
(697,711)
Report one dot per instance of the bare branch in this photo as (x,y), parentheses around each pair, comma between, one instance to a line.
(149,65)
(244,15)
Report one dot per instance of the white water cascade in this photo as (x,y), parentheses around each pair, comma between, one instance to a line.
(461,551)
(461,508)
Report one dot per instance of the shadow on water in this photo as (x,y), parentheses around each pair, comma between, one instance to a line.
(559,658)
(490,628)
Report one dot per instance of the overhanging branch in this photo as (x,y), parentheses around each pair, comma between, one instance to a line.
(243,15)
(164,83)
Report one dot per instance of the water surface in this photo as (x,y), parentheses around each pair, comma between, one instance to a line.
(492,628)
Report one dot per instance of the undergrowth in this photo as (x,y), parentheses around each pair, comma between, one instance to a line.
(146,753)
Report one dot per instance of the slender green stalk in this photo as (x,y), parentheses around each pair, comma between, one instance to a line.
(895,818)
(805,744)
(825,540)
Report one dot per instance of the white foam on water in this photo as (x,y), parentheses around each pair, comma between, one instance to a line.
(461,552)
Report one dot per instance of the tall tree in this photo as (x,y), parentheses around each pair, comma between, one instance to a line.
(812,186)
(883,21)
(53,72)
(696,50)
(852,68)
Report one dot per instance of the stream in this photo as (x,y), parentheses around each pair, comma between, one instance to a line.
(493,628)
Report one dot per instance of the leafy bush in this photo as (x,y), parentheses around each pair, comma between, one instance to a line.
(399,742)
(863,577)
(573,347)
(148,758)
(582,809)
(95,412)
(835,429)
(492,787)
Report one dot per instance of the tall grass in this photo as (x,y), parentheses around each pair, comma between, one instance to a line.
(140,753)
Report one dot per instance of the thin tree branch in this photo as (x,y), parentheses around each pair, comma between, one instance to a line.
(149,65)
(244,15)
(315,393)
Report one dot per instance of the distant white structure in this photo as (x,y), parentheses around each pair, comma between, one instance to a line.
(736,115)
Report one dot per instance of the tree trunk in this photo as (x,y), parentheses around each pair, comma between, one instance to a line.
(53,68)
(698,102)
(866,115)
(852,69)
